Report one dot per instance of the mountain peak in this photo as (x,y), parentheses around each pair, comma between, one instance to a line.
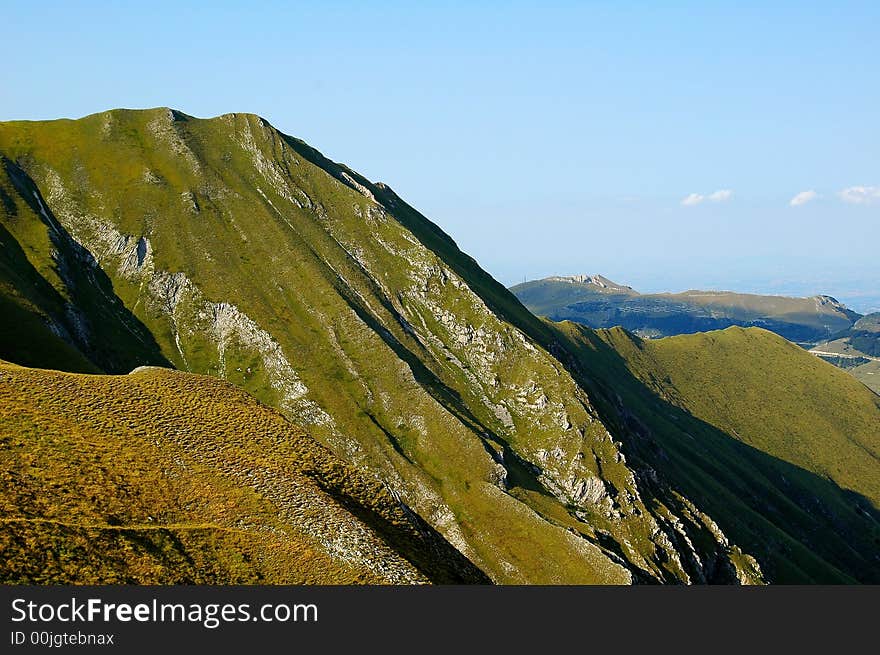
(822,299)
(227,249)
(597,280)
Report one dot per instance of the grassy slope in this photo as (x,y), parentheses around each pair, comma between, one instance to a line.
(868,374)
(780,447)
(785,402)
(26,297)
(410,355)
(352,299)
(164,477)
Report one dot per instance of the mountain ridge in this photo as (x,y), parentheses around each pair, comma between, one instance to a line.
(201,327)
(224,247)
(598,302)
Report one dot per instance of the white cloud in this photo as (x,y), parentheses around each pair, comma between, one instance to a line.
(721,195)
(693,199)
(860,195)
(697,198)
(803,198)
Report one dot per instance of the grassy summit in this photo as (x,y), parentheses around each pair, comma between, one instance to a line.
(781,402)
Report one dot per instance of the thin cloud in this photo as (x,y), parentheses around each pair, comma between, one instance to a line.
(803,198)
(693,199)
(721,195)
(860,195)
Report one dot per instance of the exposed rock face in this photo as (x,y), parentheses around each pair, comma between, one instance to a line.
(599,281)
(251,257)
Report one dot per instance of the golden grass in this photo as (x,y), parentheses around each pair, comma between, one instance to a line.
(166,477)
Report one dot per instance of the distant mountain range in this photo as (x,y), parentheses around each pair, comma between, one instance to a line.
(598,302)
(356,400)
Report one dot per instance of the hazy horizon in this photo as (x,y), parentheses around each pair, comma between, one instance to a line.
(666,148)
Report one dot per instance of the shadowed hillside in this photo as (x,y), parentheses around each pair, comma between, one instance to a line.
(781,448)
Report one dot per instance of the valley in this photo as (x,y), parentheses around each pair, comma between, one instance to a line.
(821,324)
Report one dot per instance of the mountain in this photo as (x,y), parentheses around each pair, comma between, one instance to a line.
(224,248)
(781,448)
(597,302)
(857,350)
(167,477)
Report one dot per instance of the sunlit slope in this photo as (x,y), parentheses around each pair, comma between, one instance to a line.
(868,374)
(166,477)
(778,446)
(240,252)
(784,402)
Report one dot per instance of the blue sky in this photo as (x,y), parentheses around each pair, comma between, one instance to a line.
(547,138)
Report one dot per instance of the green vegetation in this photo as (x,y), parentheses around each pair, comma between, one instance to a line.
(165,477)
(224,248)
(237,251)
(779,447)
